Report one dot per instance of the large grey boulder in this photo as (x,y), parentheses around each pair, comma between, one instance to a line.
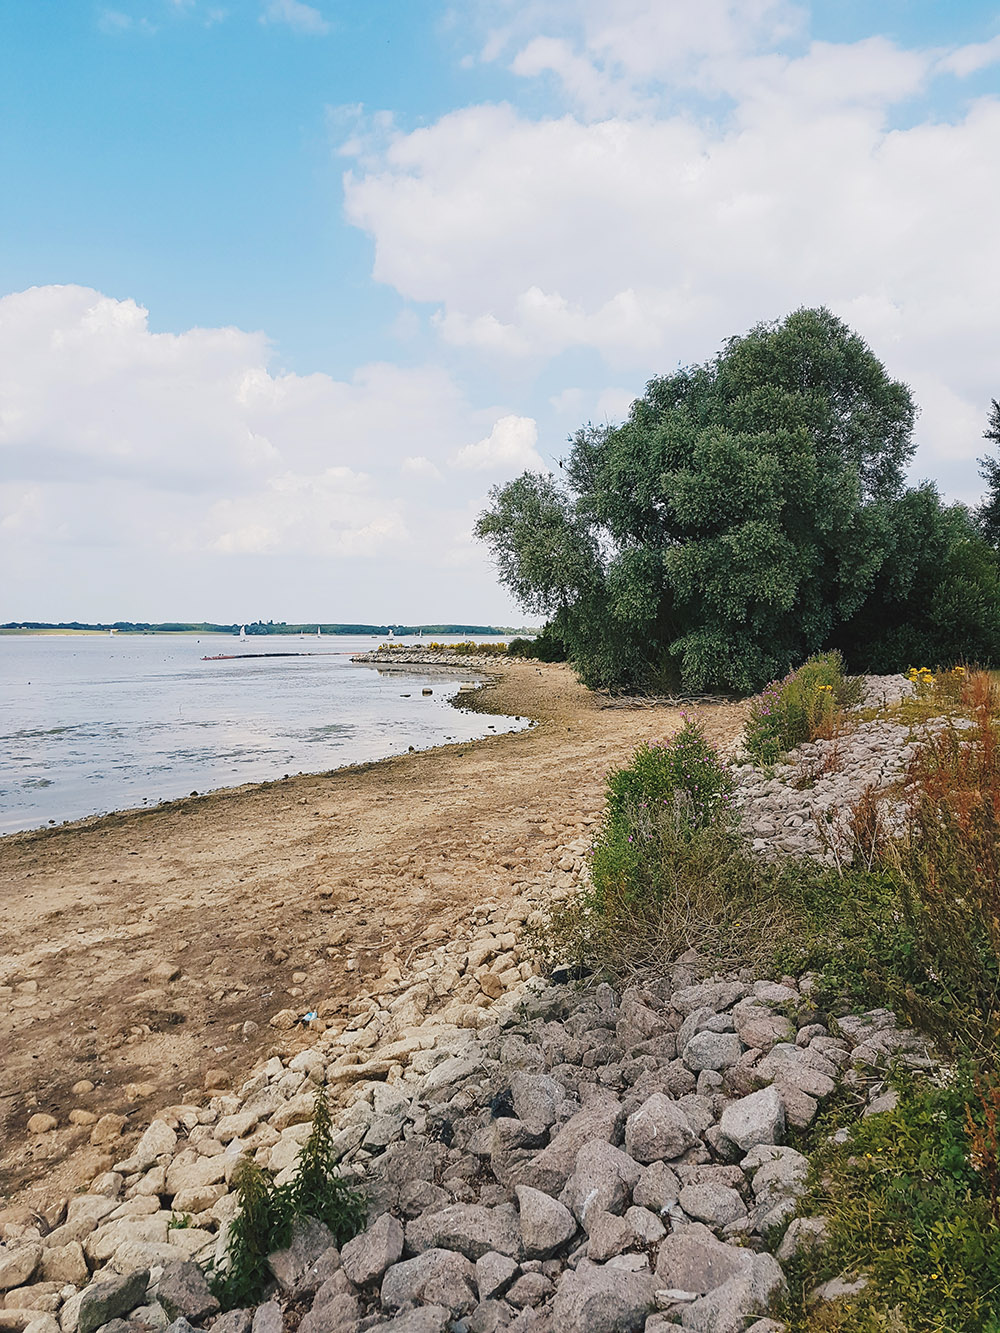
(712,1050)
(729,1306)
(334,1308)
(366,1257)
(18,1264)
(805,1069)
(601,1119)
(469,1228)
(428,1319)
(106,1300)
(546,1224)
(494,1273)
(717,1205)
(694,1260)
(65,1263)
(601,1299)
(436,1277)
(804,1233)
(535,1098)
(778,1181)
(269,1318)
(608,1235)
(183,1291)
(714,995)
(658,1131)
(602,1179)
(658,1188)
(308,1242)
(234,1321)
(760,1027)
(758,1118)
(157,1141)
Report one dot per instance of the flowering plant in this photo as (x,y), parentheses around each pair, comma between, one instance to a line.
(685,769)
(798,708)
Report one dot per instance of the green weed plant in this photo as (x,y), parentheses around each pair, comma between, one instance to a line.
(906,1209)
(267,1212)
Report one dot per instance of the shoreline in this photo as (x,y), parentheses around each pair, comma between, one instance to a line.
(462,700)
(145,949)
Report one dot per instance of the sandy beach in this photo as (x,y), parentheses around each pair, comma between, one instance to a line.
(143,949)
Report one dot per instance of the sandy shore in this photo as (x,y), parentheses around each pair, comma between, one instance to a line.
(137,946)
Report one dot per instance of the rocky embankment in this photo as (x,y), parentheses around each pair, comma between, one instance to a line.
(536,1156)
(802,807)
(404,657)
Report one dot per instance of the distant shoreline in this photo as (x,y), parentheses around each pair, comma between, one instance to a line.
(258,629)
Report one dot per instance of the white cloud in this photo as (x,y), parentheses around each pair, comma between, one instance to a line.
(509,448)
(295,14)
(647,236)
(966,60)
(420,466)
(149,473)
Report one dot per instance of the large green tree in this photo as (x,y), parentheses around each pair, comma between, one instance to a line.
(726,530)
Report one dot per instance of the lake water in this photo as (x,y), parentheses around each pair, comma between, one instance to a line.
(94,723)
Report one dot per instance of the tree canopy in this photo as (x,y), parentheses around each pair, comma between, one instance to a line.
(750,511)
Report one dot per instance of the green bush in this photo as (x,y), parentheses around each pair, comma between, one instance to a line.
(687,763)
(799,708)
(266,1213)
(546,646)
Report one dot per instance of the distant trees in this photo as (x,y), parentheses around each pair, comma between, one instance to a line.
(750,512)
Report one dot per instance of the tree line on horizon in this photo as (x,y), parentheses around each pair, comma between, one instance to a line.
(256,627)
(750,512)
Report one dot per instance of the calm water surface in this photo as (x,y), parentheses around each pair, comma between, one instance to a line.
(90,724)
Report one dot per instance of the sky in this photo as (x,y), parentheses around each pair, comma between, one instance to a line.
(287,287)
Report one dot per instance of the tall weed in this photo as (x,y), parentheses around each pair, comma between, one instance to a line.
(266,1213)
(947,870)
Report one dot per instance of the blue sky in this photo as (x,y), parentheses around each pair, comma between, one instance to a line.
(284,288)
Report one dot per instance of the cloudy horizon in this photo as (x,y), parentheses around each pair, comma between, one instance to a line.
(284,290)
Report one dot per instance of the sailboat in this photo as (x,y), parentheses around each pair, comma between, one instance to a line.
(243,631)
(319,632)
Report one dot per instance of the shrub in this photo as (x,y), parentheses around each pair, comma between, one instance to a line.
(317,1191)
(947,869)
(266,1213)
(685,763)
(799,708)
(546,646)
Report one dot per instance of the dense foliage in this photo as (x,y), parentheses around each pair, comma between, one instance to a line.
(750,512)
(988,513)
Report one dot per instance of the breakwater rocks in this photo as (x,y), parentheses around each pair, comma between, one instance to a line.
(802,807)
(589,1161)
(389,658)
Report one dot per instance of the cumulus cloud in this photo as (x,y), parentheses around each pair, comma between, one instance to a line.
(186,450)
(509,448)
(648,233)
